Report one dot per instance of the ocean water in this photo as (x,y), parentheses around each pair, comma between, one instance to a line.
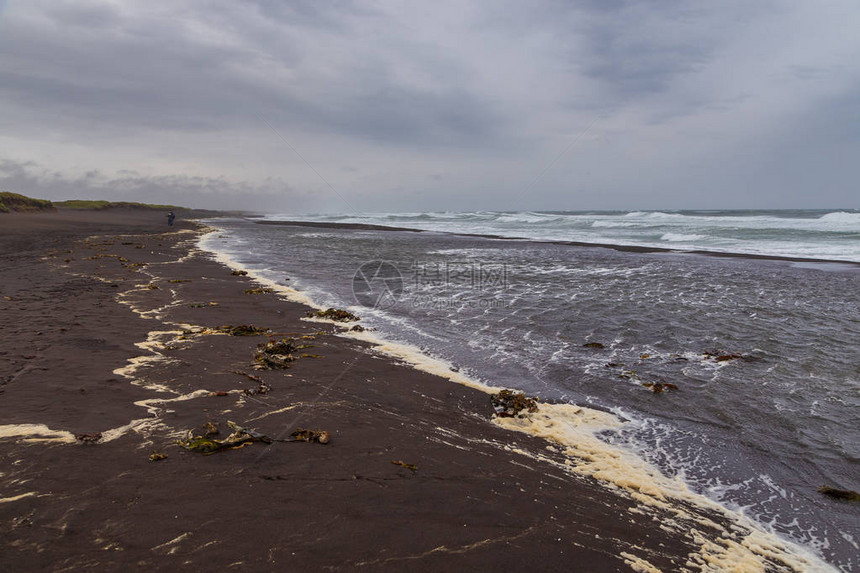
(757,433)
(817,234)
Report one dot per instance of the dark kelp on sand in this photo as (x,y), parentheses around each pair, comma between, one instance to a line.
(508,403)
(335,314)
(203,440)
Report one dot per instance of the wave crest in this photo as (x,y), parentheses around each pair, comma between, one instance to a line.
(677,237)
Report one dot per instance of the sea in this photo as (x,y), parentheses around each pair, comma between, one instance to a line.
(727,341)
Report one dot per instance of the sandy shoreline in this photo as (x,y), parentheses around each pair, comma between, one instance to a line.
(89,347)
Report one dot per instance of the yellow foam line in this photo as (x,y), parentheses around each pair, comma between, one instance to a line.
(36,433)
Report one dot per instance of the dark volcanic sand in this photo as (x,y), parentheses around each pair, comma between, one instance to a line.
(471,504)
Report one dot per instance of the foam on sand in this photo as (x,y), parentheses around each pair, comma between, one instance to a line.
(573,431)
(288,293)
(638,564)
(155,339)
(745,546)
(36,433)
(23,496)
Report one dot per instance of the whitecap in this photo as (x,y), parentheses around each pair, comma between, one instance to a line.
(677,237)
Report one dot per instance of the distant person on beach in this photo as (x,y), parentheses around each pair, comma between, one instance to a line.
(170,218)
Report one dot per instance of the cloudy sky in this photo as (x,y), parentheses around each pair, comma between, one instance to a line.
(376,106)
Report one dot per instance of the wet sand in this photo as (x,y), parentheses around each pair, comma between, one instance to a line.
(77,313)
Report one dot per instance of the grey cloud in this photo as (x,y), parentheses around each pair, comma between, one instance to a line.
(637,68)
(444,102)
(87,16)
(640,48)
(107,70)
(807,72)
(329,15)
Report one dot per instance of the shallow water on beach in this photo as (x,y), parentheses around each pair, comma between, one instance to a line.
(764,354)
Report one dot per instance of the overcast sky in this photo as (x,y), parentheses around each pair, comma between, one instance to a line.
(413,106)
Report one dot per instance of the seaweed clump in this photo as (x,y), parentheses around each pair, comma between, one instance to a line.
(89,438)
(262,387)
(721,356)
(205,443)
(259,290)
(839,493)
(659,387)
(335,314)
(303,435)
(277,354)
(242,330)
(508,404)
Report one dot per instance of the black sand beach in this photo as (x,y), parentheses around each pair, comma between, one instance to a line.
(415,476)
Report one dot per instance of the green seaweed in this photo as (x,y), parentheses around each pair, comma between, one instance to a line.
(204,446)
(259,291)
(412,467)
(207,445)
